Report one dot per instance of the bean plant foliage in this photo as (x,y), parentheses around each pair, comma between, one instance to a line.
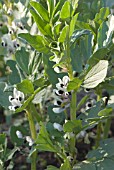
(57,73)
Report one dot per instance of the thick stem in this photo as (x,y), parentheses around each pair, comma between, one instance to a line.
(33,135)
(72,140)
(73,117)
(35,113)
(73,106)
(107,128)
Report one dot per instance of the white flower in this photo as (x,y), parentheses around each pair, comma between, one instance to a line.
(15,43)
(111,99)
(6,40)
(81,134)
(61,95)
(58,102)
(87,90)
(90,103)
(62,85)
(19,134)
(58,126)
(10,11)
(58,109)
(16,99)
(29,140)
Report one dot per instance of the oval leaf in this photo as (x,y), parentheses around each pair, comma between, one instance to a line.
(96,75)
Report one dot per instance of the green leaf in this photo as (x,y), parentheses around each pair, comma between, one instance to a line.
(77,34)
(98,55)
(34,63)
(73,126)
(102,35)
(51,5)
(96,75)
(58,136)
(11,153)
(44,28)
(36,41)
(72,23)
(74,84)
(4,99)
(14,76)
(22,59)
(105,164)
(41,82)
(105,150)
(105,112)
(102,15)
(14,137)
(3,50)
(66,10)
(76,59)
(59,117)
(39,21)
(50,167)
(86,46)
(57,28)
(82,101)
(43,141)
(91,115)
(26,87)
(66,165)
(52,75)
(2,139)
(84,25)
(41,10)
(63,34)
(85,165)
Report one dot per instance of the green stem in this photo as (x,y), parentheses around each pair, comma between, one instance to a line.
(35,113)
(73,106)
(33,135)
(72,140)
(107,128)
(73,117)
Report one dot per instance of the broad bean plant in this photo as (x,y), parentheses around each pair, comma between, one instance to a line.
(57,72)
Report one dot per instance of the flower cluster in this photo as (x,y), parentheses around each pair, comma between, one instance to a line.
(61,95)
(16,100)
(9,44)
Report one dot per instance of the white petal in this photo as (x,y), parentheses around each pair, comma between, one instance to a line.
(60,81)
(58,126)
(15,93)
(56,102)
(19,134)
(12,108)
(65,80)
(58,86)
(20,96)
(29,140)
(11,98)
(58,109)
(15,102)
(81,134)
